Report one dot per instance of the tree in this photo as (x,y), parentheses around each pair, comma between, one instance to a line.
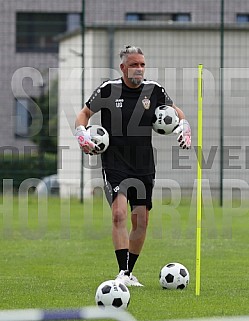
(46,137)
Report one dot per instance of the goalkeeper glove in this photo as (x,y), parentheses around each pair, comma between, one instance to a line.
(85,140)
(184,134)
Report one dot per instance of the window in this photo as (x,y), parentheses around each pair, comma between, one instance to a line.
(73,21)
(35,32)
(23,117)
(242,17)
(133,17)
(178,17)
(181,17)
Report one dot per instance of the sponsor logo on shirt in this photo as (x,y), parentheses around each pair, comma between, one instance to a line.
(119,103)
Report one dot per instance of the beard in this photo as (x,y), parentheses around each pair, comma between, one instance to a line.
(136,81)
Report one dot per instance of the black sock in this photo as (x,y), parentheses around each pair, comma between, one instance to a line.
(132,260)
(122,258)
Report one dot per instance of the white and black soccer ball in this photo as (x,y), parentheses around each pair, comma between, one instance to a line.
(99,136)
(165,120)
(112,293)
(174,276)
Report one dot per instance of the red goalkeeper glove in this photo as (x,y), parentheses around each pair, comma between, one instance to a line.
(85,140)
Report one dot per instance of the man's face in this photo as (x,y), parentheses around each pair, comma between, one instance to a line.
(133,69)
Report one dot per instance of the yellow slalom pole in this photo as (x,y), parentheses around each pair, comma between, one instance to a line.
(199,184)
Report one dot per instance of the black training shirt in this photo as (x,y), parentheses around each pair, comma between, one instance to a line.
(127,113)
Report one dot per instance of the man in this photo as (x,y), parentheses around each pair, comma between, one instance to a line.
(127,107)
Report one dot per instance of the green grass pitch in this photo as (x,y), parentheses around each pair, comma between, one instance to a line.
(54,254)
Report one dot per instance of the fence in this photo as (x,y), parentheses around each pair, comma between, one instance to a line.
(175,36)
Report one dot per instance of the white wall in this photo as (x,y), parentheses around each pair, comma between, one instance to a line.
(70,103)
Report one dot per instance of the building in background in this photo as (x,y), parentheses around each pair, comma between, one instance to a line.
(28,50)
(27,39)
(175,35)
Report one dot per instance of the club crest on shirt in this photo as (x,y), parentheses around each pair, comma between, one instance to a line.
(146,103)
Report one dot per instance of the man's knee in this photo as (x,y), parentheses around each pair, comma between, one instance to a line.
(119,215)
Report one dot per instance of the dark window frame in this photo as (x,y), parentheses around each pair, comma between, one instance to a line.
(242,15)
(36,31)
(22,117)
(157,16)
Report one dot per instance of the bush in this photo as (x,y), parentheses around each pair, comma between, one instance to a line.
(22,167)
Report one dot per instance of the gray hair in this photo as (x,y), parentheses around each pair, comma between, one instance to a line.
(129,50)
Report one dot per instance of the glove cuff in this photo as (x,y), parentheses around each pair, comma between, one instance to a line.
(183,122)
(78,130)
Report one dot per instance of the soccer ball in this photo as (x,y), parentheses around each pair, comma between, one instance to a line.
(100,137)
(165,120)
(174,276)
(112,293)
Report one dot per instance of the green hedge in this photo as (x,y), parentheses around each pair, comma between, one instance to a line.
(20,168)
